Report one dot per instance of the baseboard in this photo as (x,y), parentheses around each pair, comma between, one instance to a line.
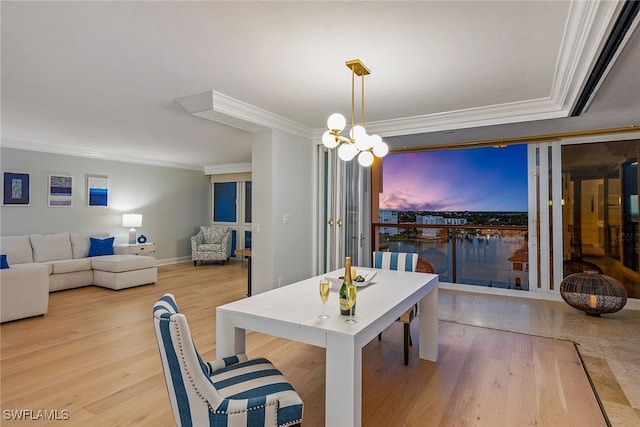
(632,303)
(169,261)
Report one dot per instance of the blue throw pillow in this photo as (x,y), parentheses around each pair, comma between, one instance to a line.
(3,261)
(101,246)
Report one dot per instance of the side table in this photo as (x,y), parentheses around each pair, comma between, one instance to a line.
(134,249)
(246,253)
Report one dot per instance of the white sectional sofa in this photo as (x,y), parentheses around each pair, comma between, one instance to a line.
(24,291)
(43,263)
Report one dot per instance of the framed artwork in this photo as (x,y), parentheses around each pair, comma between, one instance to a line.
(16,189)
(97,190)
(60,191)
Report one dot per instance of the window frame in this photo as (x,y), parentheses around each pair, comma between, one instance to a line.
(240,226)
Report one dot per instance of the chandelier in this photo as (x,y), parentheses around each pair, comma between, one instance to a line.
(359,143)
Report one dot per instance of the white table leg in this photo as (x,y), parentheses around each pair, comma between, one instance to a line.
(343,382)
(229,339)
(429,326)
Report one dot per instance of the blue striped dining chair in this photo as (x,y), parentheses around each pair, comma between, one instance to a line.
(232,391)
(404,261)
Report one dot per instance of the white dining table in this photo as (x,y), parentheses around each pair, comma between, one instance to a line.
(292,311)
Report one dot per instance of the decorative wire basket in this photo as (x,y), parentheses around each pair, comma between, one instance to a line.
(593,293)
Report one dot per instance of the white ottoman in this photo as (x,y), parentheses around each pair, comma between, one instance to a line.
(123,271)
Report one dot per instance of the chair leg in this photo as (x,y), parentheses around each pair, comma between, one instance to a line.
(195,263)
(407,338)
(380,336)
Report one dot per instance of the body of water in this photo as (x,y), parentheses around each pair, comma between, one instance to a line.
(480,260)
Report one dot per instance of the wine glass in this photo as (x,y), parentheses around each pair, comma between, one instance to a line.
(351,301)
(324,288)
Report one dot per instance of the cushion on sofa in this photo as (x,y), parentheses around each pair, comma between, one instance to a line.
(120,263)
(99,247)
(17,248)
(50,247)
(211,247)
(3,262)
(213,234)
(72,280)
(69,265)
(80,243)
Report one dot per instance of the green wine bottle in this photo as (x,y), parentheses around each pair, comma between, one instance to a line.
(344,302)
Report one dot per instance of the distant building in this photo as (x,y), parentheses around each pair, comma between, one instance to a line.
(388,216)
(520,266)
(437,220)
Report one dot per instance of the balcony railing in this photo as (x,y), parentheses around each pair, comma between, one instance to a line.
(493,256)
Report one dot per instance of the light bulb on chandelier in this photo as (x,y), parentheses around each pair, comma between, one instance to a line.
(347,152)
(380,148)
(337,122)
(359,143)
(329,140)
(365,158)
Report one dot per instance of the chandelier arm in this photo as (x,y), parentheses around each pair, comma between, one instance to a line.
(353,102)
(362,110)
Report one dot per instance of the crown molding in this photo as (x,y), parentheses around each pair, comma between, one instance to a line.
(588,25)
(230,168)
(474,117)
(77,152)
(461,119)
(220,108)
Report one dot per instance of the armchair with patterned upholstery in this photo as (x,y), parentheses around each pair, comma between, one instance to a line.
(232,391)
(212,243)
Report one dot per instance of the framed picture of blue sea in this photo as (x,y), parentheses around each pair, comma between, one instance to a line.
(97,190)
(16,189)
(60,191)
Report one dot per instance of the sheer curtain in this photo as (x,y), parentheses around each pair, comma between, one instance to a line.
(345,213)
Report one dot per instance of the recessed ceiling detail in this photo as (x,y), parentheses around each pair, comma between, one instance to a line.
(134,79)
(220,108)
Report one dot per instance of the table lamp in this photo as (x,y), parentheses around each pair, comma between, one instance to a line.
(132,220)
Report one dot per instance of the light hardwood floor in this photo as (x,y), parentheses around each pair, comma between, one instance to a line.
(95,355)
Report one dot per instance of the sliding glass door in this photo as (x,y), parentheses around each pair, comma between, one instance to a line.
(600,210)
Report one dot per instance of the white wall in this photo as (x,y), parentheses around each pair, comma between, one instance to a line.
(282,185)
(293,179)
(261,212)
(173,202)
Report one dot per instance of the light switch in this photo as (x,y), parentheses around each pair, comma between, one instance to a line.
(286,219)
(256,228)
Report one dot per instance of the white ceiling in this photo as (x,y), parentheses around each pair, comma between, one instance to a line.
(116,79)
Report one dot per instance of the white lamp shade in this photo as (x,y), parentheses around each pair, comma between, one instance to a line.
(363,142)
(380,149)
(375,140)
(336,121)
(357,132)
(365,158)
(347,152)
(329,140)
(132,220)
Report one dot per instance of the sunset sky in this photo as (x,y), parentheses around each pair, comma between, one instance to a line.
(478,179)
